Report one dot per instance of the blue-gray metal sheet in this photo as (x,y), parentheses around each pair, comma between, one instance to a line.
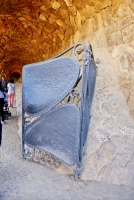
(57,133)
(46,83)
(91,80)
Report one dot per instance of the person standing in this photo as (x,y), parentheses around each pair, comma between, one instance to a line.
(0,134)
(4,84)
(1,103)
(11,92)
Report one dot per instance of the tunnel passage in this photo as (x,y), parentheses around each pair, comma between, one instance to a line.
(32,31)
(15,76)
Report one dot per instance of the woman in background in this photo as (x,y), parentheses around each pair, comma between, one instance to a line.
(11,92)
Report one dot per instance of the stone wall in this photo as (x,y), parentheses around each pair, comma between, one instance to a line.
(110,146)
(18,98)
(111,31)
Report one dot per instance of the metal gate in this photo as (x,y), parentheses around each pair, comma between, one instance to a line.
(57,95)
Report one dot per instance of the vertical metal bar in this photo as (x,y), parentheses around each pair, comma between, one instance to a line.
(82,106)
(23,122)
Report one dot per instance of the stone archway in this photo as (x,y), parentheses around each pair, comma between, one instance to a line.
(15,75)
(13,70)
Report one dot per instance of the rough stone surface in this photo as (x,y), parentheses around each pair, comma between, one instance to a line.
(107,109)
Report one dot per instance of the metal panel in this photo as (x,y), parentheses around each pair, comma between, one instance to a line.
(57,133)
(46,83)
(57,96)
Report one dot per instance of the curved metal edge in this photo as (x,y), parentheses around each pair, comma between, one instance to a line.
(47,152)
(49,161)
(73,46)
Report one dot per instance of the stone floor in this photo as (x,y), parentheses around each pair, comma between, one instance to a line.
(26,180)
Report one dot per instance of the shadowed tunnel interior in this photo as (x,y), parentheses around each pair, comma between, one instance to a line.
(32,31)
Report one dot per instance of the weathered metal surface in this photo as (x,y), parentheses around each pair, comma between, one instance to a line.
(51,132)
(90,78)
(57,133)
(46,83)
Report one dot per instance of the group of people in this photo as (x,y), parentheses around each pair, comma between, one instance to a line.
(7,91)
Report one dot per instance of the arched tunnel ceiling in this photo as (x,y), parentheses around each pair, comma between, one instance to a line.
(32,31)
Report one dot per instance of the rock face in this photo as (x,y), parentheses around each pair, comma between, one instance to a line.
(32,31)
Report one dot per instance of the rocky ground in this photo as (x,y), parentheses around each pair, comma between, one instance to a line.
(26,180)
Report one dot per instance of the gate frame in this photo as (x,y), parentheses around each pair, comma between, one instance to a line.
(87,58)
